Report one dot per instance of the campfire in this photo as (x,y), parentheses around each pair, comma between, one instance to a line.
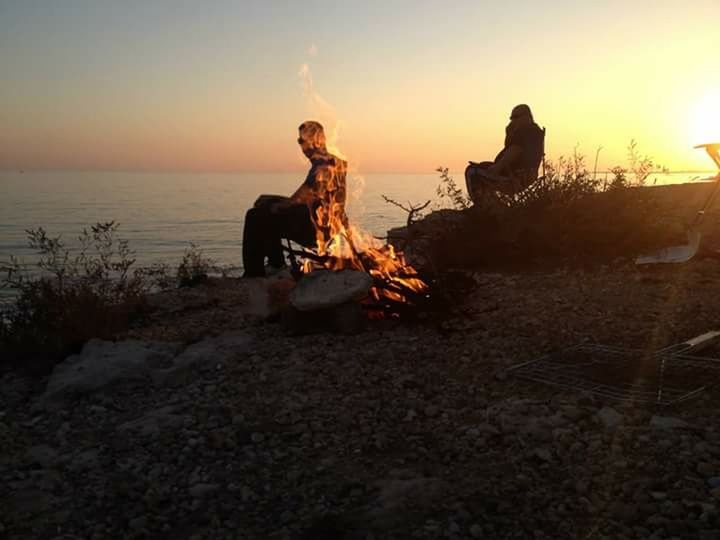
(395,284)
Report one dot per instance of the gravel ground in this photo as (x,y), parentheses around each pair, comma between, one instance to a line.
(406,430)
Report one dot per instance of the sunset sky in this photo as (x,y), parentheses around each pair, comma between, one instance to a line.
(410,85)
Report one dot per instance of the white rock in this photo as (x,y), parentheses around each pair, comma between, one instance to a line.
(102,364)
(203,354)
(323,289)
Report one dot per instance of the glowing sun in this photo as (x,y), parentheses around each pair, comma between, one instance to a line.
(704,120)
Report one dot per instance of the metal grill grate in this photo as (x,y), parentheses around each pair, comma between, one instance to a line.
(663,377)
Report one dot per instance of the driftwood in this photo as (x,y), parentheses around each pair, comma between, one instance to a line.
(413,212)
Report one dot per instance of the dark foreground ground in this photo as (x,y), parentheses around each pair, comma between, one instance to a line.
(410,430)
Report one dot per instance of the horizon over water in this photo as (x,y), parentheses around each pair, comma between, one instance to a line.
(161,213)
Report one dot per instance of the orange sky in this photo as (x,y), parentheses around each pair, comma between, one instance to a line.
(409,85)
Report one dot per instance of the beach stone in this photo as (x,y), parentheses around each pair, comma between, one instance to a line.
(138,523)
(102,364)
(396,495)
(667,422)
(323,289)
(203,490)
(349,318)
(257,297)
(42,454)
(706,469)
(714,482)
(154,422)
(208,353)
(85,460)
(609,417)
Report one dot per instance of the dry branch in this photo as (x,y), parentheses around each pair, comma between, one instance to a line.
(412,211)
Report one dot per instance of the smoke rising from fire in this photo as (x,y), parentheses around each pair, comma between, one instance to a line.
(318,108)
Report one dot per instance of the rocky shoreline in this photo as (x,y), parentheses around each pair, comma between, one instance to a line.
(225,427)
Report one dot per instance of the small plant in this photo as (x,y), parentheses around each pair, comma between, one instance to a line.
(619,179)
(642,166)
(71,296)
(448,190)
(194,268)
(565,181)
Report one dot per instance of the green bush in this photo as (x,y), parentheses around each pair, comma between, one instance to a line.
(71,295)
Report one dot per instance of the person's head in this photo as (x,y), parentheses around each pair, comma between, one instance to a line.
(521,115)
(312,137)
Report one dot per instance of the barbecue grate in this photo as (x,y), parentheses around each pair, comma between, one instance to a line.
(663,377)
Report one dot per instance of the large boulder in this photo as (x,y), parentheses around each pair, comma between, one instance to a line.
(323,289)
(104,364)
(205,354)
(101,364)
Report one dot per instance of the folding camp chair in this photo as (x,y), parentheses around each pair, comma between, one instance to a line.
(529,191)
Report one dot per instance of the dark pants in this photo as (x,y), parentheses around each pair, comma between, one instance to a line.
(474,178)
(264,231)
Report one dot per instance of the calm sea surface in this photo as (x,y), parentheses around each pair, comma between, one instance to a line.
(161,214)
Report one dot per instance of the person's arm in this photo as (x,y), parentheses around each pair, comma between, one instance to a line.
(268,200)
(303,195)
(508,161)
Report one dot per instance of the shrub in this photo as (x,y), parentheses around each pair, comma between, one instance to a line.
(568,216)
(194,268)
(619,179)
(642,166)
(449,192)
(71,296)
(565,181)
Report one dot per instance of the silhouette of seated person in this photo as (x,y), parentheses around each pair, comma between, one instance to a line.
(516,166)
(313,213)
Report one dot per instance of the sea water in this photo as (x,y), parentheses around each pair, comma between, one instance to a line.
(161,214)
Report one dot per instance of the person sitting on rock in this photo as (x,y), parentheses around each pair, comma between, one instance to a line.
(516,166)
(313,214)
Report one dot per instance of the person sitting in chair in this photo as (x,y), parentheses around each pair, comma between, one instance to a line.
(516,166)
(308,215)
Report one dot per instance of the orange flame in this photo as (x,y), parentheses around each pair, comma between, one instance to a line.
(343,246)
